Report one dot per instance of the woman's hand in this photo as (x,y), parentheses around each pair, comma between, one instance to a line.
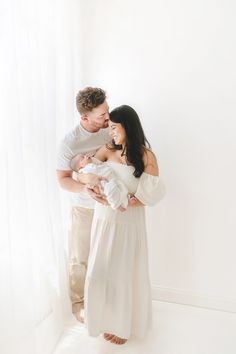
(133,201)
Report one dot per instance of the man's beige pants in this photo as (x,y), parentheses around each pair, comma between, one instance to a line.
(79,242)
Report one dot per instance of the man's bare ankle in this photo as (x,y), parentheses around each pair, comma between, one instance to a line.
(79,315)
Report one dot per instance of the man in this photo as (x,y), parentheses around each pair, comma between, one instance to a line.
(87,137)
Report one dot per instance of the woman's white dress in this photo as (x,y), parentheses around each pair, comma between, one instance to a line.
(117,287)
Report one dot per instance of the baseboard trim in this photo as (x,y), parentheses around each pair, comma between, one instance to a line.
(184,297)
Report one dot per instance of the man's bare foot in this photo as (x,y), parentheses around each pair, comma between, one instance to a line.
(79,316)
(114,339)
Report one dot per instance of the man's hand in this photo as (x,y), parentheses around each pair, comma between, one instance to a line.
(120,208)
(97,196)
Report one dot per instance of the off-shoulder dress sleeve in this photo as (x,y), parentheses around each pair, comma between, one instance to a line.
(150,190)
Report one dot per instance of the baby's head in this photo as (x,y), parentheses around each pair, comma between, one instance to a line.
(79,161)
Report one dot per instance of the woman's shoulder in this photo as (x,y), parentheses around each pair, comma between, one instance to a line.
(150,162)
(103,152)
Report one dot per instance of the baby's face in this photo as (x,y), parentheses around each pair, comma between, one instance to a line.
(84,161)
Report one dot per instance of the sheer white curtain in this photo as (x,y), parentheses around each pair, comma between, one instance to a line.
(39,77)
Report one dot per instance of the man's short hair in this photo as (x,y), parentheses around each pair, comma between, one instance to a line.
(89,98)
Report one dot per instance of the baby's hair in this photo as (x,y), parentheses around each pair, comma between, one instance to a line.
(74,162)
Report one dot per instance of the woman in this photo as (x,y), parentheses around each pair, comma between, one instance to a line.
(117,287)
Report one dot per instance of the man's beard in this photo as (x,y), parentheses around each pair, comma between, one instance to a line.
(105,125)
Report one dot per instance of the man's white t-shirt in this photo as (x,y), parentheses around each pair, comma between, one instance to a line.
(80,141)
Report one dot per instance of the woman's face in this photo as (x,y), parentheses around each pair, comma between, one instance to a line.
(117,133)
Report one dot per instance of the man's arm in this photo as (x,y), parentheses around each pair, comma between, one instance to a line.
(68,183)
(90,178)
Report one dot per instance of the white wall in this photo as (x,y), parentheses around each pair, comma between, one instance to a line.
(174,62)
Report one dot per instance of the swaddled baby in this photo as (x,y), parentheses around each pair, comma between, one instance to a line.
(102,178)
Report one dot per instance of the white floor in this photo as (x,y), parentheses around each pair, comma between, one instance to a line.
(177,329)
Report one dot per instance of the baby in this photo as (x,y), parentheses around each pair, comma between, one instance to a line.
(101,177)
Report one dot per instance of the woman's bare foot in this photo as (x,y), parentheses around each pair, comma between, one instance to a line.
(108,336)
(114,339)
(118,340)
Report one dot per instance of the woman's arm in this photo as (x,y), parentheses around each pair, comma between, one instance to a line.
(150,167)
(150,163)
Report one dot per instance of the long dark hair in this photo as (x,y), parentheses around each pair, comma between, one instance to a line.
(135,139)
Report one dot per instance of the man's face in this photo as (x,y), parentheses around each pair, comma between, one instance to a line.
(98,118)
